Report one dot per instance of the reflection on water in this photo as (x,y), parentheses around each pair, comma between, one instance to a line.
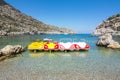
(96,64)
(62,54)
(36,55)
(105,52)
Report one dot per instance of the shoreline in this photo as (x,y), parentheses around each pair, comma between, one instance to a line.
(31,33)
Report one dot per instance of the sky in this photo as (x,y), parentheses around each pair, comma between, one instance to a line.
(82,16)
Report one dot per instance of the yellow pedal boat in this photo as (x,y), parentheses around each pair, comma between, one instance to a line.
(36,46)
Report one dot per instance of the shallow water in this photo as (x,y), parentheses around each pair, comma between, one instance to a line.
(96,64)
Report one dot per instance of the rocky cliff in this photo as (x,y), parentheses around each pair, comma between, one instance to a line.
(12,21)
(111,25)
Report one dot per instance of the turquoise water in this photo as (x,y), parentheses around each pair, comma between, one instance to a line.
(96,64)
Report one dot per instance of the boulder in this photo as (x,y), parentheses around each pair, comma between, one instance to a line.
(106,40)
(0,53)
(11,50)
(114,45)
(3,33)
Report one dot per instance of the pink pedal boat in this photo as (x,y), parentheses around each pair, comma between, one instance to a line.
(73,46)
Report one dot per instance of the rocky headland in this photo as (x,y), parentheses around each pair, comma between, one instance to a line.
(106,30)
(14,22)
(111,26)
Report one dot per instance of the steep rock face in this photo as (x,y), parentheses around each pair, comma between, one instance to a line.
(111,25)
(12,21)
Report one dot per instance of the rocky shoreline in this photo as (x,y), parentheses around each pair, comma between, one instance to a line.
(10,51)
(106,30)
(2,33)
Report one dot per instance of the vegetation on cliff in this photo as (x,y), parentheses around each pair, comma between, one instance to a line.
(111,25)
(12,21)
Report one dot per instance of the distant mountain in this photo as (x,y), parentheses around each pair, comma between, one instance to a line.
(111,25)
(12,21)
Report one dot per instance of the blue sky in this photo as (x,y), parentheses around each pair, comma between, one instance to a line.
(82,16)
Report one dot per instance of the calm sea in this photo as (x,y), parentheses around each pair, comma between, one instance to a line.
(96,64)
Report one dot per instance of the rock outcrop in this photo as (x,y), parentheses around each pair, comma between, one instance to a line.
(12,21)
(9,51)
(111,25)
(106,40)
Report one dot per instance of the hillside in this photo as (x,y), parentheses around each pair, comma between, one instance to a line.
(12,21)
(111,25)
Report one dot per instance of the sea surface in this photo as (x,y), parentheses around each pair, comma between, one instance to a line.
(98,63)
